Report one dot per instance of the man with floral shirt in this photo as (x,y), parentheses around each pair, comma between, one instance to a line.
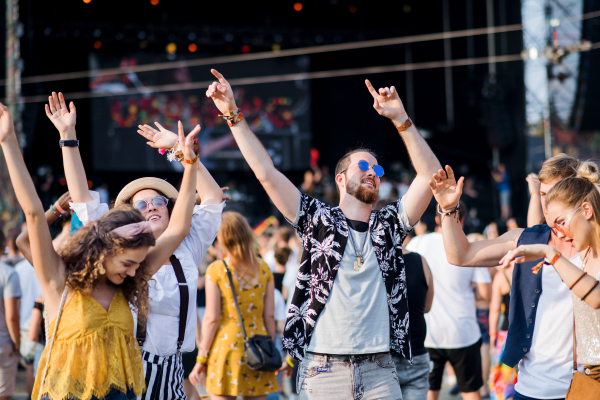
(349,307)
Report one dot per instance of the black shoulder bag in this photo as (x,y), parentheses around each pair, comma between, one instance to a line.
(259,350)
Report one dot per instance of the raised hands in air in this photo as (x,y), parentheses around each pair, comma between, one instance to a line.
(160,138)
(222,94)
(62,117)
(7,128)
(387,103)
(187,142)
(446,189)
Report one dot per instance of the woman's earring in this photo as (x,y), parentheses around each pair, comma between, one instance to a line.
(102,271)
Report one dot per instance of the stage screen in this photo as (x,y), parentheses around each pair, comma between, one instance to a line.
(279,113)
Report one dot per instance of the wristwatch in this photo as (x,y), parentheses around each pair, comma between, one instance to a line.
(69,143)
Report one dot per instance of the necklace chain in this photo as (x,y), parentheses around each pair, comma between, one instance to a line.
(357,254)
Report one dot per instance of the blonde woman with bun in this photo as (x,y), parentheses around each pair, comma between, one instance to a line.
(221,352)
(535,341)
(574,211)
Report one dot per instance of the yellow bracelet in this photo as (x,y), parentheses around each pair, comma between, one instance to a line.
(290,362)
(201,360)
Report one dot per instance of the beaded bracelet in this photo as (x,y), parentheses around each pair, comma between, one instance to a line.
(58,215)
(233,117)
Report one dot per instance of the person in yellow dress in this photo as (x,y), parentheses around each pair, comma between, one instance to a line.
(221,352)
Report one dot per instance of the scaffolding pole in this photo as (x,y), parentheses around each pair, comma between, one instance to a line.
(9,208)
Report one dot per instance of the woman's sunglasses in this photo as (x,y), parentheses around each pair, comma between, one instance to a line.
(561,226)
(158,202)
(364,166)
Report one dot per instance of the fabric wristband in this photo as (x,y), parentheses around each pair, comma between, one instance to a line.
(407,124)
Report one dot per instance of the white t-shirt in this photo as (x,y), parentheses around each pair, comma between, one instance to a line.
(356,318)
(30,290)
(546,371)
(452,322)
(162,326)
(280,310)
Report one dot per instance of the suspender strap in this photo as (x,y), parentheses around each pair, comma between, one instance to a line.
(184,300)
(574,346)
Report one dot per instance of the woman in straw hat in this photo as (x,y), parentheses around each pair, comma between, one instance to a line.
(170,326)
(92,282)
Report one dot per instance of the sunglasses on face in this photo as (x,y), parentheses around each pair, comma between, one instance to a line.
(561,226)
(364,166)
(158,202)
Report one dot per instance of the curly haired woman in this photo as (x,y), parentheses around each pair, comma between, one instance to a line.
(91,285)
(169,328)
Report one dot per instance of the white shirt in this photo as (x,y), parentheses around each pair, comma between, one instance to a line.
(280,310)
(30,290)
(546,371)
(162,327)
(451,323)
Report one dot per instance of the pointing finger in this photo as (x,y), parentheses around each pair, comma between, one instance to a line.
(219,76)
(371,89)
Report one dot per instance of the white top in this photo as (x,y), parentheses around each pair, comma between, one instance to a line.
(162,327)
(280,310)
(30,290)
(451,323)
(356,318)
(289,281)
(546,371)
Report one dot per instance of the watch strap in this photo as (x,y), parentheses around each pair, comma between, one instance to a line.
(69,143)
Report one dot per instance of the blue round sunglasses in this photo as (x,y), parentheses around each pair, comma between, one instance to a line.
(364,166)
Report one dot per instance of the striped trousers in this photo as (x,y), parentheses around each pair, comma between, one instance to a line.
(164,377)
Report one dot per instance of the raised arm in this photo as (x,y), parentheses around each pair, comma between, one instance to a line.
(48,266)
(459,251)
(535,213)
(161,138)
(64,120)
(388,104)
(51,217)
(180,221)
(280,189)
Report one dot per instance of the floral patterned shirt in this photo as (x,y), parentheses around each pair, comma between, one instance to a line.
(324,233)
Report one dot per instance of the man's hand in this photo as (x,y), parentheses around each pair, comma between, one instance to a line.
(222,94)
(387,103)
(534,184)
(285,369)
(7,128)
(159,139)
(63,119)
(445,189)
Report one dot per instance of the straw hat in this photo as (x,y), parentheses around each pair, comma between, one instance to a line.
(145,183)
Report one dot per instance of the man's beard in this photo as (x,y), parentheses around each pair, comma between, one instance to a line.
(362,194)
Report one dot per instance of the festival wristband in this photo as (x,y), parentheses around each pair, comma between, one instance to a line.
(290,362)
(59,208)
(68,143)
(537,268)
(201,360)
(555,259)
(192,161)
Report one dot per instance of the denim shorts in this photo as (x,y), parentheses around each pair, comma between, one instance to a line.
(328,377)
(414,379)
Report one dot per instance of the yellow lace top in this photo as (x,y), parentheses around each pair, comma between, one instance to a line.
(93,353)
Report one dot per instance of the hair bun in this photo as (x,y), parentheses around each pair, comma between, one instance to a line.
(590,171)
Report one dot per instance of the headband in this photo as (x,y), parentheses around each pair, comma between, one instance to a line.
(131,230)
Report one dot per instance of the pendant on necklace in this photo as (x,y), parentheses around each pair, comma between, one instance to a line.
(358,263)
